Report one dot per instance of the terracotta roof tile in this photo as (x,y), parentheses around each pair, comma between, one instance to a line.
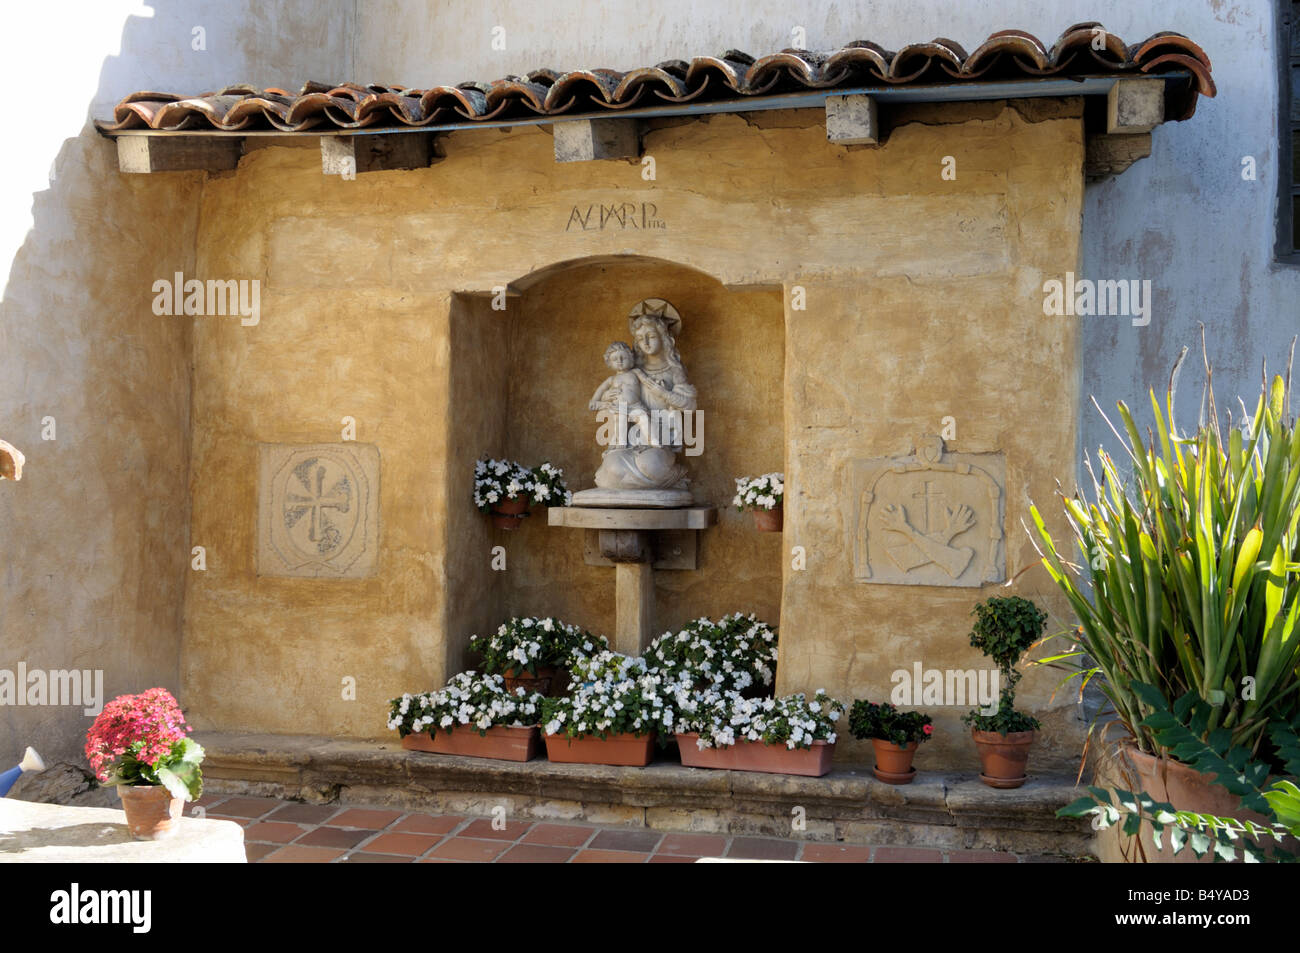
(1008,54)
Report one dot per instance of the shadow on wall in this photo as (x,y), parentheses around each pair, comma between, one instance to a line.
(531,407)
(94,387)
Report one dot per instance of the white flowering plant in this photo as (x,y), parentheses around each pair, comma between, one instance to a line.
(527,644)
(469,700)
(738,652)
(764,492)
(723,718)
(611,694)
(499,481)
(548,487)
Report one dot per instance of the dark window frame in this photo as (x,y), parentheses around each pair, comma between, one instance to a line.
(1288,116)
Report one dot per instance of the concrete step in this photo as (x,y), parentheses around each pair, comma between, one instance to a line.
(950,811)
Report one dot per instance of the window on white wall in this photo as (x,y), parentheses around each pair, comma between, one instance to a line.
(1288,204)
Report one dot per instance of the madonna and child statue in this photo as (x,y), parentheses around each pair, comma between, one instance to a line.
(645,410)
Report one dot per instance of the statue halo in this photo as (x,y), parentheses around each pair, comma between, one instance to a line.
(656,308)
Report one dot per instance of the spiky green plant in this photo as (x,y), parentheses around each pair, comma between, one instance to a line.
(1190,572)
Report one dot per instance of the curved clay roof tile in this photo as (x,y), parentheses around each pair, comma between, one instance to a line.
(306,112)
(598,84)
(1081,37)
(799,64)
(180,114)
(1170,43)
(253,108)
(1025,47)
(465,101)
(1204,81)
(915,59)
(731,68)
(651,77)
(861,56)
(405,107)
(531,95)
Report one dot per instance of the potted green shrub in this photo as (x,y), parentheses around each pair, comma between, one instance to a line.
(1190,584)
(894,734)
(1005,627)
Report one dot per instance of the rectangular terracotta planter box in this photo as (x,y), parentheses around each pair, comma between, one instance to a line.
(755,756)
(626,750)
(501,743)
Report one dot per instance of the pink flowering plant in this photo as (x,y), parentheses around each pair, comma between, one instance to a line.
(143,739)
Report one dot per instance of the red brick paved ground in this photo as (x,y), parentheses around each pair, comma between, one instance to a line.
(290,832)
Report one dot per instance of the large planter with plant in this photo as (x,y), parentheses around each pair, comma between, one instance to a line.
(764,496)
(623,749)
(1005,628)
(474,716)
(498,743)
(1188,597)
(612,714)
(1221,804)
(895,735)
(507,490)
(529,652)
(788,735)
(1183,786)
(811,761)
(140,744)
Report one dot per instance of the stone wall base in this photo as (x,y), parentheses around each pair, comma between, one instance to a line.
(950,811)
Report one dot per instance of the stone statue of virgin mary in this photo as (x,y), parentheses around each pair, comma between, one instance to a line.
(648,401)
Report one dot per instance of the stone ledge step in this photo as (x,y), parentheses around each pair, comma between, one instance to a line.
(936,810)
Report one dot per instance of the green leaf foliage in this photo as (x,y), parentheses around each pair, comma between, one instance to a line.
(1184,568)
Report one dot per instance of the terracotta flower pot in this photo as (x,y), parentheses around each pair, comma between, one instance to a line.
(1003,756)
(894,763)
(540,683)
(151,811)
(755,756)
(1187,789)
(626,749)
(508,514)
(768,521)
(501,743)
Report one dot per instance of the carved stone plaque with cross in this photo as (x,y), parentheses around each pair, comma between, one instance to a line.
(318,510)
(929,519)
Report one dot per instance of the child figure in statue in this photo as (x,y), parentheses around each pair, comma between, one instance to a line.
(620,393)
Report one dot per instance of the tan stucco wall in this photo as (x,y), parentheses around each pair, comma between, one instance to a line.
(923,301)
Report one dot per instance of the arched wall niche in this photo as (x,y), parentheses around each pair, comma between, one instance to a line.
(521,379)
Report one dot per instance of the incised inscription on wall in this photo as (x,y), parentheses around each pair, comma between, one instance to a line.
(929,519)
(318,510)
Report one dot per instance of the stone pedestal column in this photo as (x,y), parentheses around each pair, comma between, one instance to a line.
(626,540)
(634,593)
